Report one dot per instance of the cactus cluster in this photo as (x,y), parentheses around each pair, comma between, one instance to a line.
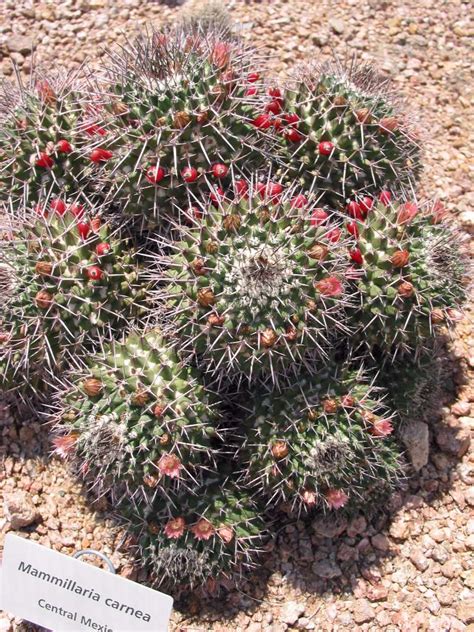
(221,289)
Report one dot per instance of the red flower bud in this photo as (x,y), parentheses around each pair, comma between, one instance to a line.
(353,229)
(325,148)
(366,204)
(63,146)
(43,160)
(300,201)
(219,170)
(155,174)
(94,273)
(291,118)
(334,235)
(95,130)
(385,197)
(241,188)
(274,107)
(293,135)
(77,210)
(356,256)
(189,174)
(354,210)
(262,121)
(84,229)
(100,155)
(102,249)
(58,206)
(318,217)
(216,196)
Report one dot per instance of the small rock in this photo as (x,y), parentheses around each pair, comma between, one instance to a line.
(465,610)
(346,553)
(439,554)
(337,26)
(467,220)
(399,529)
(451,569)
(320,39)
(460,409)
(326,569)
(453,438)
(20,510)
(468,579)
(291,612)
(19,44)
(419,560)
(377,593)
(415,436)
(329,528)
(363,612)
(438,535)
(356,526)
(380,542)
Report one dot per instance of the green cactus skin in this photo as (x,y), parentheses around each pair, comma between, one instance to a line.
(400,306)
(137,421)
(60,296)
(322,444)
(355,110)
(416,387)
(179,102)
(200,541)
(43,132)
(254,285)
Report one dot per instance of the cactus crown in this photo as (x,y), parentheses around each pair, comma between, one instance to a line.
(71,282)
(256,283)
(412,275)
(353,135)
(137,420)
(326,435)
(180,107)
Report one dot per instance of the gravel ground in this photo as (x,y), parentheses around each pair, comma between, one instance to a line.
(410,568)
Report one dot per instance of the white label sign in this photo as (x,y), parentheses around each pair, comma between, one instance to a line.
(62,593)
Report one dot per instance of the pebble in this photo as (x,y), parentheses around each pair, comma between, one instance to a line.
(419,560)
(326,569)
(20,44)
(380,542)
(337,26)
(20,510)
(416,438)
(291,612)
(363,612)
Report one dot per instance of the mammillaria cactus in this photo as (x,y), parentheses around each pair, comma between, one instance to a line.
(180,119)
(136,420)
(324,443)
(44,129)
(200,541)
(202,263)
(257,282)
(346,133)
(68,283)
(412,275)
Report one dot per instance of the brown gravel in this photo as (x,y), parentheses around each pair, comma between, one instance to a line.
(413,572)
